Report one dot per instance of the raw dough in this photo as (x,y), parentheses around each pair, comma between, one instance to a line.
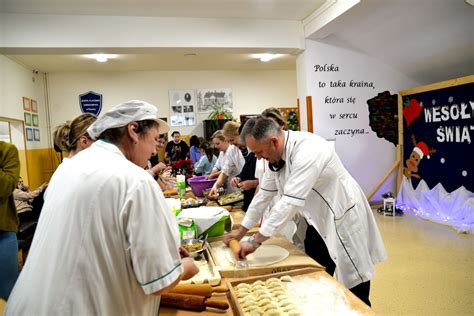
(286,278)
(264,256)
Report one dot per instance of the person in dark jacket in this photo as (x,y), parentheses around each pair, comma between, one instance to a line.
(176,149)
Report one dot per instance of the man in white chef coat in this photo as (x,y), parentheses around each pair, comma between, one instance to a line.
(308,175)
(106,241)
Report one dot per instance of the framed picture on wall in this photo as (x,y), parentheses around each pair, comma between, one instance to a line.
(35,120)
(27,118)
(36,134)
(26,104)
(34,106)
(29,134)
(207,99)
(182,107)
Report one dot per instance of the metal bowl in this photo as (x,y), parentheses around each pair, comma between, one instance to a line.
(186,203)
(194,246)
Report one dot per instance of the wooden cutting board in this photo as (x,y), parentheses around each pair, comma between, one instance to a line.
(296,259)
(314,292)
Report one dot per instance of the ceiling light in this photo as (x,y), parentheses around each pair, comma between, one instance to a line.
(101,58)
(267,57)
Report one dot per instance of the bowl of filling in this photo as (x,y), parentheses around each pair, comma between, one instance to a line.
(194,246)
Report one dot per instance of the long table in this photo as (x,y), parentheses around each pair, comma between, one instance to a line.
(296,260)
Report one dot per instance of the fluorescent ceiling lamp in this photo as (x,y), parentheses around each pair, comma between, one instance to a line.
(101,58)
(267,57)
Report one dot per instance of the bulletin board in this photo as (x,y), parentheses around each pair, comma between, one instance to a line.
(437,152)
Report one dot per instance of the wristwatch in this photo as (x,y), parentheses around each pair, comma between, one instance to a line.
(254,242)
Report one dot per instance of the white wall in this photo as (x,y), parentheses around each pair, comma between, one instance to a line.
(302,89)
(17,82)
(253,91)
(366,156)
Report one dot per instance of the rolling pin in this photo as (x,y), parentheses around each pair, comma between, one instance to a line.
(191,302)
(234,245)
(198,289)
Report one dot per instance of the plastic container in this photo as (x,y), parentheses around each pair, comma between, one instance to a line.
(200,183)
(207,219)
(218,229)
(181,183)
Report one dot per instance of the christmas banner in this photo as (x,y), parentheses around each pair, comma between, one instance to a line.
(438,135)
(438,168)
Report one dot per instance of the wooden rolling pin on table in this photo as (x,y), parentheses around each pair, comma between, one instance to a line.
(199,289)
(175,302)
(192,302)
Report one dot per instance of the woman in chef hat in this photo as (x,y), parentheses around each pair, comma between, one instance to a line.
(106,242)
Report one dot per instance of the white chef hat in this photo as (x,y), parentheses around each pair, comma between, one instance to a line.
(124,113)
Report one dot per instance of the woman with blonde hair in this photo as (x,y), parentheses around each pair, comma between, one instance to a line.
(72,136)
(276,116)
(235,159)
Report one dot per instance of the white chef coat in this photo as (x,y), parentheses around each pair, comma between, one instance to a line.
(233,165)
(295,229)
(105,240)
(220,161)
(235,161)
(314,182)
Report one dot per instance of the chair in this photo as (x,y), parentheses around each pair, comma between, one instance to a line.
(25,234)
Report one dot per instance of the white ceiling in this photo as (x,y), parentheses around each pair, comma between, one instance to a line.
(428,40)
(254,9)
(158,59)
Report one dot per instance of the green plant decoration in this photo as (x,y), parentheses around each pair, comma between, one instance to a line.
(292,121)
(219,113)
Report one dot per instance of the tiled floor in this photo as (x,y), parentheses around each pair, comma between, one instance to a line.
(429,271)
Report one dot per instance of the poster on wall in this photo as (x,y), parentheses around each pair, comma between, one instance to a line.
(34,106)
(208,99)
(26,104)
(438,154)
(90,102)
(182,107)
